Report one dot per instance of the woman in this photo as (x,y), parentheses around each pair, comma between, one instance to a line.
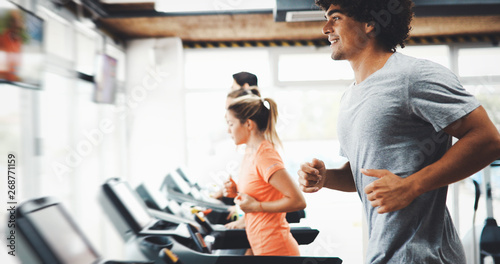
(266,190)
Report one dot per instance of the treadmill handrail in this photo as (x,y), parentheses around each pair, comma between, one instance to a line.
(188,256)
(171,218)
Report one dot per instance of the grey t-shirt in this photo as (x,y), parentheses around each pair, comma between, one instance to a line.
(394,120)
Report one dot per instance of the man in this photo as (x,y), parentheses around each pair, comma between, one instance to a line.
(395,128)
(244,80)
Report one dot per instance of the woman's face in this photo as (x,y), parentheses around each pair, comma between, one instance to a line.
(239,132)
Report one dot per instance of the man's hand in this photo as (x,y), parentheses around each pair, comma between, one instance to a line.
(389,193)
(312,176)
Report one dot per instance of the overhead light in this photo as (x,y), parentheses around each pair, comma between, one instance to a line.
(112,2)
(300,16)
(6,4)
(53,15)
(204,6)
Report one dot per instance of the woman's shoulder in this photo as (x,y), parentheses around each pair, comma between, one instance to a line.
(267,152)
(266,147)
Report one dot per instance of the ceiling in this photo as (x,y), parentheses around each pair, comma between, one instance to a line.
(126,20)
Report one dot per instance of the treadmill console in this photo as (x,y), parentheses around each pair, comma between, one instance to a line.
(52,236)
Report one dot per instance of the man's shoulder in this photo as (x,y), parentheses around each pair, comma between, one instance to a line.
(423,69)
(414,62)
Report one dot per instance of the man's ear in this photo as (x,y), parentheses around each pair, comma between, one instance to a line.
(370,27)
(245,86)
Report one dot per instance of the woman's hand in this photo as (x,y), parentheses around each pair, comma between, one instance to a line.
(233,213)
(247,203)
(230,190)
(238,224)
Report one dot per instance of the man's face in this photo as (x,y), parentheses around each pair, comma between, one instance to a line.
(346,35)
(235,86)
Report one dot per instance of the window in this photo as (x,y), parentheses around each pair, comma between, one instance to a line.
(479,62)
(214,69)
(436,53)
(307,86)
(86,55)
(308,109)
(317,66)
(59,35)
(479,71)
(208,79)
(308,113)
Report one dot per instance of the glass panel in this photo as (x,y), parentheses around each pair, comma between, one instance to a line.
(489,96)
(479,61)
(10,122)
(59,162)
(438,53)
(307,126)
(59,38)
(206,128)
(213,156)
(86,55)
(312,67)
(307,113)
(214,69)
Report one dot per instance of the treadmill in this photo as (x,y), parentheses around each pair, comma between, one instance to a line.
(188,242)
(159,205)
(131,218)
(155,201)
(489,241)
(48,234)
(179,187)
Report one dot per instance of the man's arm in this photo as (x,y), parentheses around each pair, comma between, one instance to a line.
(314,176)
(477,147)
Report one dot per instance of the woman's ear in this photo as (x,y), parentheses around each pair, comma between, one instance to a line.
(249,124)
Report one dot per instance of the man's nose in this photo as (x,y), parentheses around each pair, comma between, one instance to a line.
(327,29)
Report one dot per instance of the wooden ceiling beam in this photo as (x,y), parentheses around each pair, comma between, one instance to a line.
(115,8)
(255,27)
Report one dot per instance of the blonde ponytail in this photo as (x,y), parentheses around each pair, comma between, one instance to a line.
(272,119)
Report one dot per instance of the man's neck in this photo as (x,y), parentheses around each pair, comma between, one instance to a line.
(368,62)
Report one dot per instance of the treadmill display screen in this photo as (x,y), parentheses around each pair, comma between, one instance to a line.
(181,183)
(133,204)
(156,196)
(62,236)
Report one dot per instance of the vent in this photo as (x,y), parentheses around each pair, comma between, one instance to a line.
(301,16)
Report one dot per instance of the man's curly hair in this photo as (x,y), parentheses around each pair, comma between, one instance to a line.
(391,18)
